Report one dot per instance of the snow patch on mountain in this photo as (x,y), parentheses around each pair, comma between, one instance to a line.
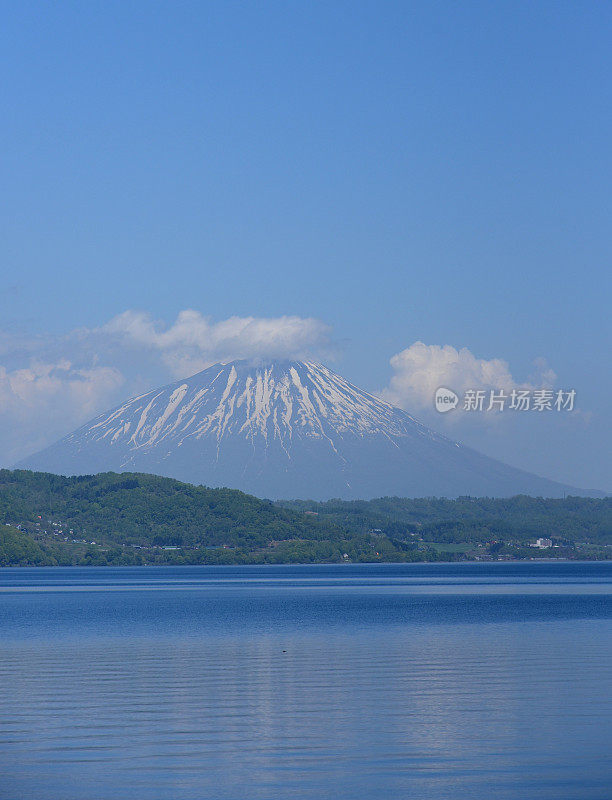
(275,402)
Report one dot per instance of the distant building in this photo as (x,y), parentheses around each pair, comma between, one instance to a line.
(542,543)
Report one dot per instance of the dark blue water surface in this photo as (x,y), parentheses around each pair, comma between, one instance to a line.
(419,681)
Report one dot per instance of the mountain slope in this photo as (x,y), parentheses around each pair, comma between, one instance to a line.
(283,429)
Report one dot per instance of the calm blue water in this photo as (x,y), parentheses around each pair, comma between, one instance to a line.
(419,681)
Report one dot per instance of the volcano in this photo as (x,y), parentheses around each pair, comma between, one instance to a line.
(283,429)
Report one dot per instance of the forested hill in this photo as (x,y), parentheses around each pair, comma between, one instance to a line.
(141,509)
(520,518)
(132,518)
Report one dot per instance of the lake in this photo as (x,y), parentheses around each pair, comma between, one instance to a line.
(425,681)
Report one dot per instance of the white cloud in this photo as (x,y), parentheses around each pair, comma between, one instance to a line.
(420,369)
(40,401)
(194,342)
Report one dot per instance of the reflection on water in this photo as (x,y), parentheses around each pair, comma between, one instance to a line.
(424,681)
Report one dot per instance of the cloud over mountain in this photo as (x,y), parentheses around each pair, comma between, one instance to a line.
(193,342)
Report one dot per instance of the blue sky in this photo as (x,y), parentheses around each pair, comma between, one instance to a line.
(397,172)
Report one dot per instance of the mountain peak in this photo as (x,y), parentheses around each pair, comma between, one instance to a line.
(276,400)
(281,428)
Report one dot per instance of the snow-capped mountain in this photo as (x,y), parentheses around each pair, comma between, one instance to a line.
(282,429)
